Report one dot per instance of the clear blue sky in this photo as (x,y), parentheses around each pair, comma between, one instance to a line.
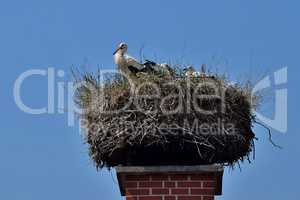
(42,158)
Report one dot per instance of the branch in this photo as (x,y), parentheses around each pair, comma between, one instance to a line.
(270,135)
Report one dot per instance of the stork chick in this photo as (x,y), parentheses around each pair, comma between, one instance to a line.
(190,72)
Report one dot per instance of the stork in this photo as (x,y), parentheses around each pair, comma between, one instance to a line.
(190,71)
(126,64)
(129,65)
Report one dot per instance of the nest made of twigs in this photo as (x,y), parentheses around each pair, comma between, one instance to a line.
(152,120)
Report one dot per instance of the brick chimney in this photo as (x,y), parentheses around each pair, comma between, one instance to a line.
(170,182)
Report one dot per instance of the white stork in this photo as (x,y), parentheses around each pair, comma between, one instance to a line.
(129,65)
(190,72)
(126,64)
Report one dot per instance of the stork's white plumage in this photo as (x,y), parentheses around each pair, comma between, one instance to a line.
(126,64)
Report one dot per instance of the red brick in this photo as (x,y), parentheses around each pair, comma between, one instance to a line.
(169,184)
(208,198)
(189,198)
(170,197)
(137,192)
(208,184)
(179,191)
(137,178)
(150,184)
(203,191)
(189,184)
(179,177)
(200,177)
(131,184)
(159,177)
(160,191)
(131,198)
(151,198)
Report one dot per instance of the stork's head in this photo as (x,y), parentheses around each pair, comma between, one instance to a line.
(122,47)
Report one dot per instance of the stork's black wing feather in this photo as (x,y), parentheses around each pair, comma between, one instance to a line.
(133,69)
(148,66)
(147,69)
(149,62)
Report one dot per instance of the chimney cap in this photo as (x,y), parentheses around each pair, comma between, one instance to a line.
(169,169)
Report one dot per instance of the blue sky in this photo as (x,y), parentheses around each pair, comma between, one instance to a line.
(43,158)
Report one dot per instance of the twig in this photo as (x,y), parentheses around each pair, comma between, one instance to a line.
(270,135)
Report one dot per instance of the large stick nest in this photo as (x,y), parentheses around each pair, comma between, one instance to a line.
(154,120)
